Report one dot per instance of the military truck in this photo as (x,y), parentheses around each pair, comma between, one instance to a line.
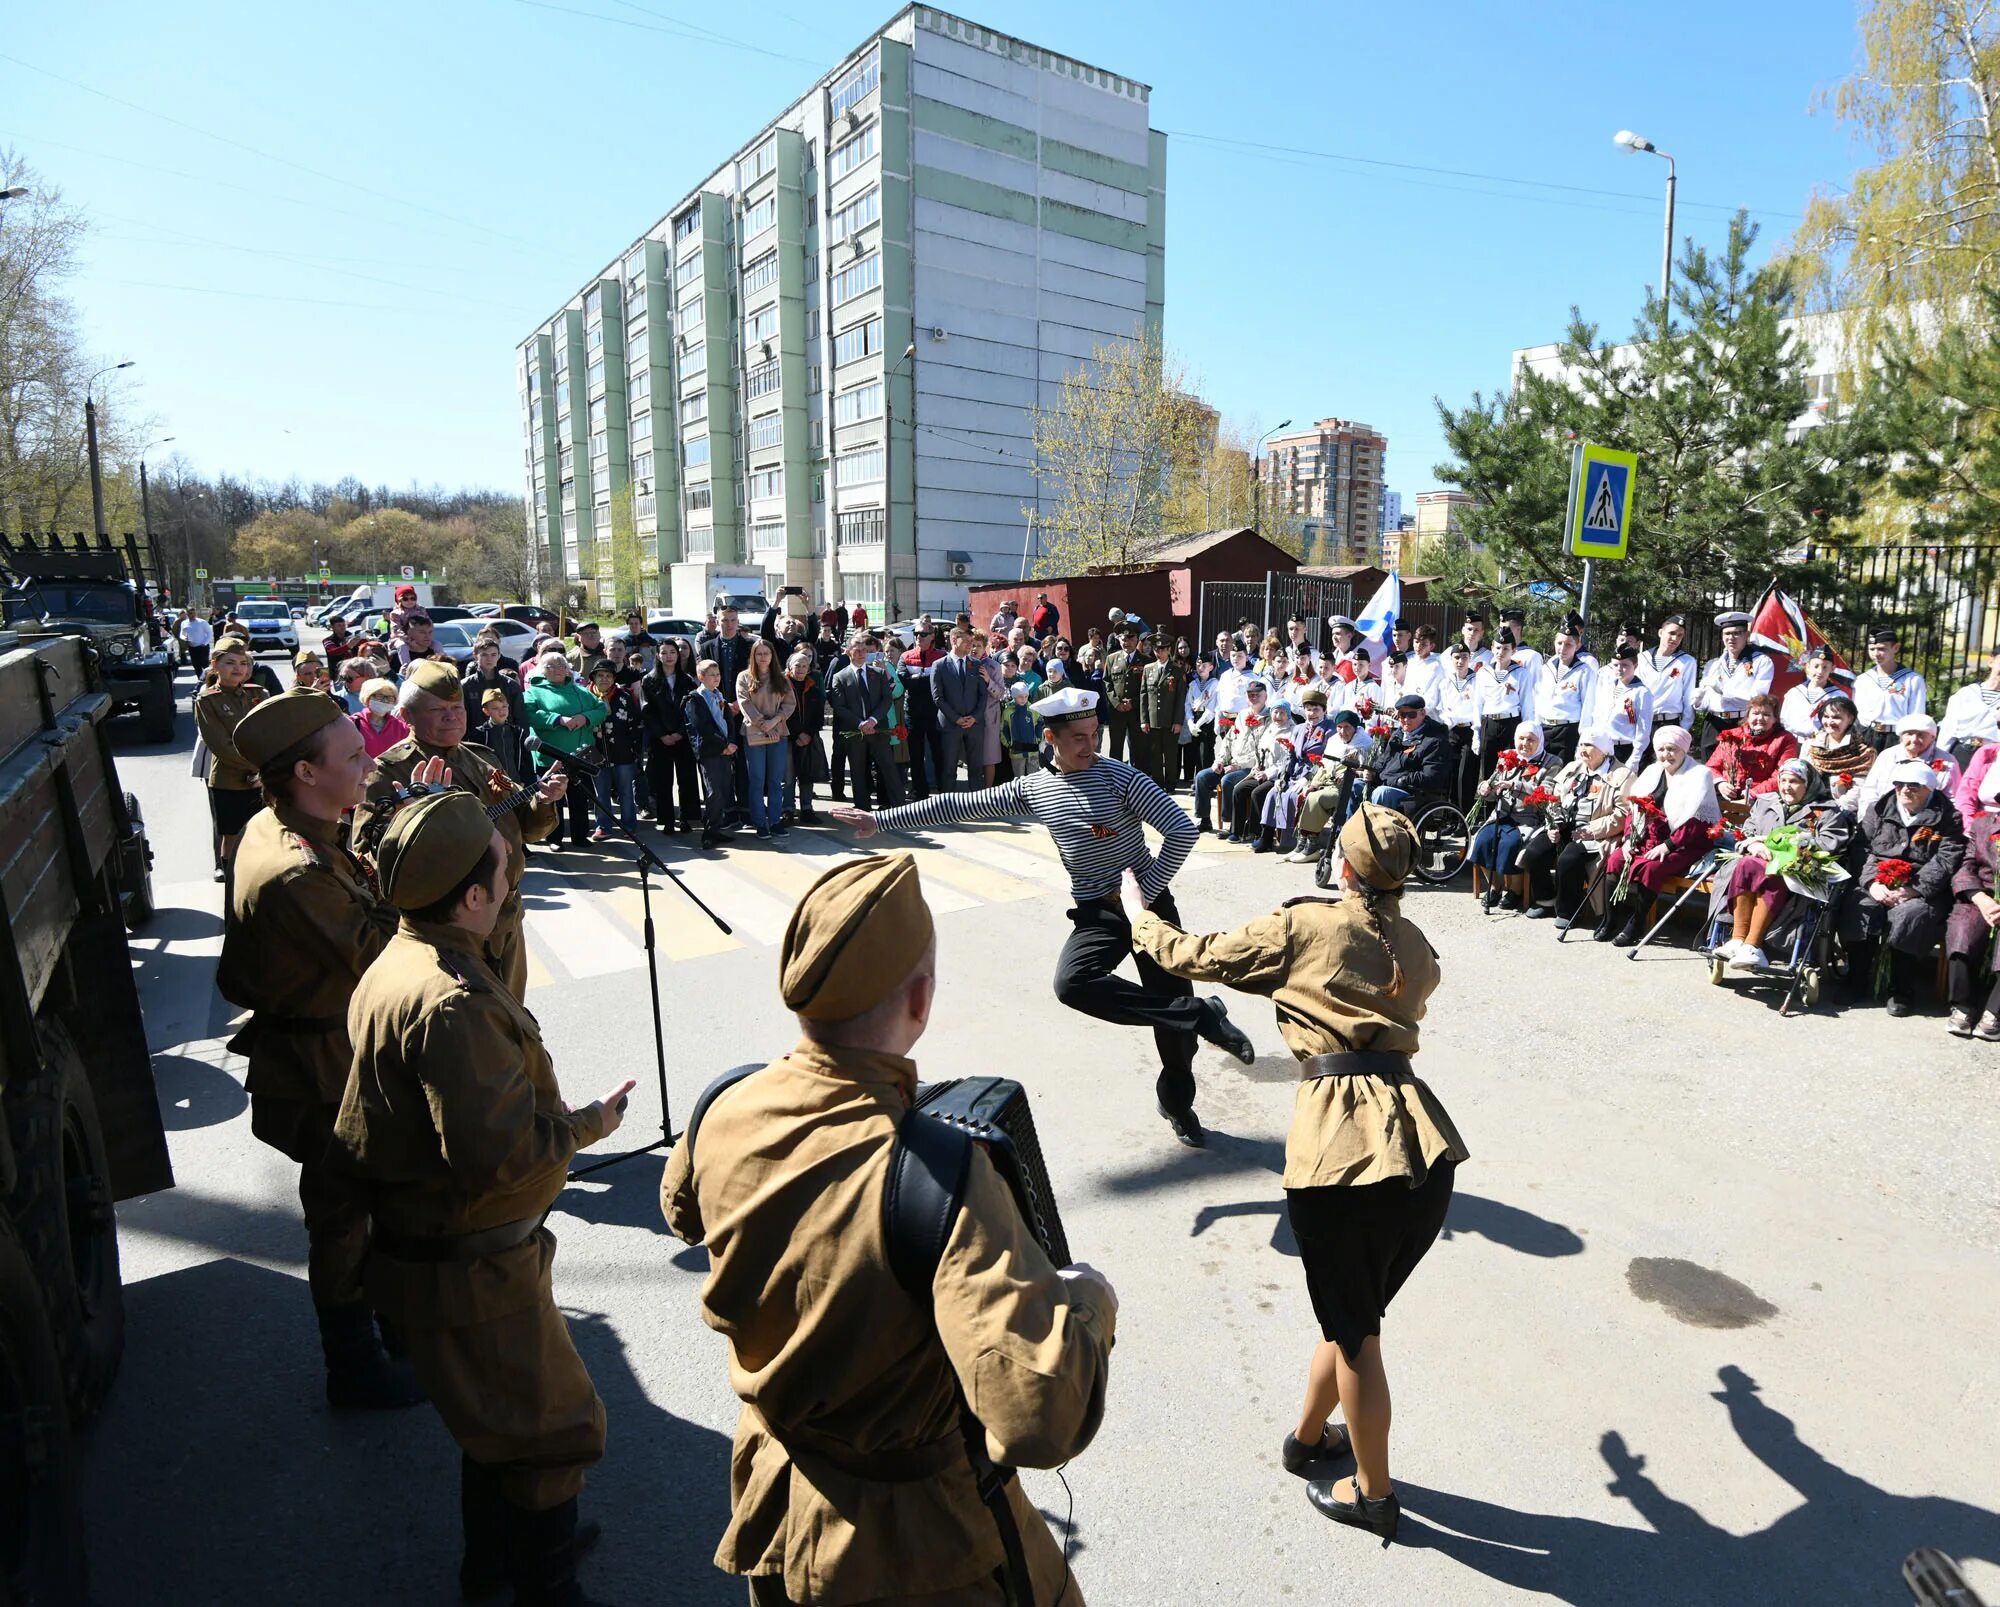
(79,1117)
(50,589)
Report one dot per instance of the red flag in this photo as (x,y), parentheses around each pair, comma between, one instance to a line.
(1785,631)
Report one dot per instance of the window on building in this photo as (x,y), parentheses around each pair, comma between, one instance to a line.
(593,336)
(567,459)
(569,527)
(812,323)
(767,483)
(812,380)
(760,325)
(594,378)
(701,543)
(863,340)
(635,266)
(767,431)
(642,462)
(862,402)
(858,279)
(862,588)
(846,158)
(864,528)
(643,506)
(599,445)
(763,380)
(858,467)
(635,341)
(701,497)
(600,518)
(694,407)
(687,270)
(642,425)
(761,274)
(694,360)
(812,266)
(768,535)
(693,311)
(814,438)
(597,415)
(562,397)
(759,162)
(857,215)
(759,218)
(562,356)
(857,86)
(697,451)
(640,384)
(686,224)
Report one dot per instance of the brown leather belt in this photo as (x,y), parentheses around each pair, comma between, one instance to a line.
(1356,1063)
(454,1246)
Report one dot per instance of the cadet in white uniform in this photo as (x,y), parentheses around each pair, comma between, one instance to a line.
(1972,715)
(1427,669)
(1621,705)
(1886,692)
(1563,687)
(1732,679)
(1502,695)
(1799,712)
(1670,674)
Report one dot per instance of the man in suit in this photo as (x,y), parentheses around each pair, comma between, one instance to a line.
(958,687)
(1121,685)
(860,699)
(1162,708)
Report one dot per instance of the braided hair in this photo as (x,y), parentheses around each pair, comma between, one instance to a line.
(1371,899)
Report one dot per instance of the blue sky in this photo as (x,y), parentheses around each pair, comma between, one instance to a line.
(320,230)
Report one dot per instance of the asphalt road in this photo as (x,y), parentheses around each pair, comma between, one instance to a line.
(1712,1321)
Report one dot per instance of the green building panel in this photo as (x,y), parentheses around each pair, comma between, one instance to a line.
(1156,232)
(898,298)
(654,304)
(718,279)
(794,242)
(577,438)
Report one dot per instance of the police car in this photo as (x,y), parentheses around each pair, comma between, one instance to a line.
(270,624)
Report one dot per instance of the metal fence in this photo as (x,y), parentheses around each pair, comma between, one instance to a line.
(1943,601)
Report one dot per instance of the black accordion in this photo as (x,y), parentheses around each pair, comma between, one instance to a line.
(927,1179)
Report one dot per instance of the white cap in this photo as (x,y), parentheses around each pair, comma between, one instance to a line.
(1914,771)
(1915,722)
(1071,703)
(1600,737)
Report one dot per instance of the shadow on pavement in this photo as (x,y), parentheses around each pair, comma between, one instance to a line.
(1281,1227)
(1845,1541)
(229,1229)
(1510,1227)
(1224,1155)
(194,1093)
(622,1196)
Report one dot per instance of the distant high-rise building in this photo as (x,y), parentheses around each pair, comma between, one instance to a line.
(1437,515)
(1330,477)
(1392,511)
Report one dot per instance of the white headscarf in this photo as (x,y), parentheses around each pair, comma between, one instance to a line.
(1541,753)
(1690,790)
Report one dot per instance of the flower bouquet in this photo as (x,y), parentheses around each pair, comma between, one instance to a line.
(1806,868)
(1645,810)
(1508,761)
(1891,873)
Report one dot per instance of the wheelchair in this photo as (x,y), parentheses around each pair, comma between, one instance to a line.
(1811,953)
(1444,840)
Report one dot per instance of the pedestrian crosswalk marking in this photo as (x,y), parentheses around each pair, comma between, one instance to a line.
(1603,511)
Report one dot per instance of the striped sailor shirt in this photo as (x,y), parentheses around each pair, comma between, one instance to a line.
(1094,815)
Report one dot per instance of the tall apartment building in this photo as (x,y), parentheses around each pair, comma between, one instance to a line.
(820,363)
(1330,476)
(1438,513)
(1391,519)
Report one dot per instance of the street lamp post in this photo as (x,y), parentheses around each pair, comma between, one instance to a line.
(90,437)
(1257,475)
(1630,141)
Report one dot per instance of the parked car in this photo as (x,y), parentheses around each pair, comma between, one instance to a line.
(661,626)
(531,614)
(484,610)
(271,626)
(441,612)
(456,636)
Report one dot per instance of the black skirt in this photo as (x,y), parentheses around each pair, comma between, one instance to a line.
(1360,1245)
(234,808)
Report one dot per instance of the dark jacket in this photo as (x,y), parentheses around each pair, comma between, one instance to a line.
(1827,825)
(1982,855)
(732,653)
(476,686)
(1418,763)
(1934,842)
(709,739)
(623,734)
(809,707)
(1046,621)
(509,742)
(858,695)
(1162,700)
(661,712)
(1121,681)
(958,687)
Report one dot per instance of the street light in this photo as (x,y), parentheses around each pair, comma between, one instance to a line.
(90,436)
(1257,474)
(1633,143)
(14,194)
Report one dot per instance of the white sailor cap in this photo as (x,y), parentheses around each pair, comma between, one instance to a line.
(1915,722)
(1339,622)
(1736,617)
(1071,703)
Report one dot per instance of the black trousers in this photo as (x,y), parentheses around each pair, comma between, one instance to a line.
(1197,756)
(1881,738)
(1464,765)
(873,770)
(668,768)
(1159,755)
(1708,729)
(1538,858)
(1560,741)
(1496,736)
(1098,944)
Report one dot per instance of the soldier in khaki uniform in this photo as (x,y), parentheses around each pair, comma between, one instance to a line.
(218,708)
(850,1481)
(1162,707)
(1121,690)
(434,706)
(453,1119)
(304,924)
(1371,1154)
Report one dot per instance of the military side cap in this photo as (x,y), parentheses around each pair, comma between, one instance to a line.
(430,847)
(856,936)
(283,722)
(1380,844)
(232,644)
(428,675)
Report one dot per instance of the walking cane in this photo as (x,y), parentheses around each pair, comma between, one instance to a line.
(1596,881)
(1696,877)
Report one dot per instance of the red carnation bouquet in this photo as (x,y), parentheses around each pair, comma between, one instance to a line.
(1894,872)
(1645,810)
(1539,798)
(1379,730)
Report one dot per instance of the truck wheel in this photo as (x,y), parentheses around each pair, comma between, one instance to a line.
(135,880)
(41,1526)
(156,710)
(61,1207)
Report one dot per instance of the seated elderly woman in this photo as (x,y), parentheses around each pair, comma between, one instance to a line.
(1746,757)
(1331,791)
(1511,817)
(1975,918)
(1277,744)
(1276,800)
(1837,752)
(1759,904)
(1915,845)
(1558,854)
(1668,816)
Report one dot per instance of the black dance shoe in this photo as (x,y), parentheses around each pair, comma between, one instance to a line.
(1226,1035)
(1377,1517)
(1313,1461)
(1186,1125)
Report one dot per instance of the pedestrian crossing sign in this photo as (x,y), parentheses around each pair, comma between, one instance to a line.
(1600,501)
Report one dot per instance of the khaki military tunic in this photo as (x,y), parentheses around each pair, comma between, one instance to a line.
(453,1119)
(1318,961)
(835,1362)
(475,769)
(1162,697)
(304,925)
(216,712)
(1121,669)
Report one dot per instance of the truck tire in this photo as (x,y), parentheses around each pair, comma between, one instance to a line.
(41,1524)
(135,869)
(61,1209)
(156,710)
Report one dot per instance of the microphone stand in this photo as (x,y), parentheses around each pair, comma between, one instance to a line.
(648,861)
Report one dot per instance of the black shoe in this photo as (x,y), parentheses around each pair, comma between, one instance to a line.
(1186,1125)
(1897,1005)
(1226,1035)
(710,841)
(1313,1461)
(482,1570)
(1377,1517)
(1489,898)
(360,1375)
(1629,935)
(543,1551)
(1510,900)
(1202,828)
(808,817)
(1539,912)
(1266,845)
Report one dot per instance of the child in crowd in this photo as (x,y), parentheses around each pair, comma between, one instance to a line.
(1021,732)
(508,741)
(713,735)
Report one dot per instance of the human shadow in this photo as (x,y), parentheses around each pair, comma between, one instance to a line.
(1282,1239)
(1844,1541)
(194,1093)
(187,1216)
(623,1196)
(1225,1155)
(1510,1226)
